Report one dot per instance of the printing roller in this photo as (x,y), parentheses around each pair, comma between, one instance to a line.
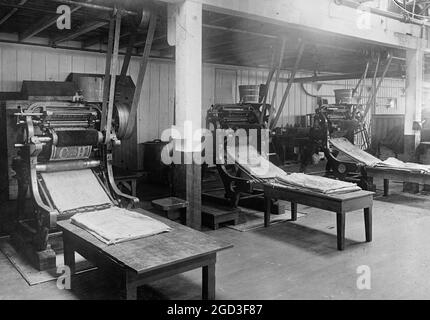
(67,165)
(64,138)
(68,144)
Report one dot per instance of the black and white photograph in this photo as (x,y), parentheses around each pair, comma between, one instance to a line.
(245,152)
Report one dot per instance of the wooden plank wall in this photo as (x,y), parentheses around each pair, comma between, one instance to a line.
(383,126)
(156,107)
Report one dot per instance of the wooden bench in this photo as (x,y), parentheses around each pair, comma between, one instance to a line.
(214,216)
(144,260)
(175,208)
(388,174)
(338,203)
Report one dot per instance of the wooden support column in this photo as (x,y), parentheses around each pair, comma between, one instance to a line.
(185,30)
(414,79)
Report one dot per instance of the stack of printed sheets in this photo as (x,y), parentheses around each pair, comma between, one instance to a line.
(354,152)
(248,158)
(75,189)
(80,189)
(347,148)
(115,225)
(394,163)
(257,166)
(316,183)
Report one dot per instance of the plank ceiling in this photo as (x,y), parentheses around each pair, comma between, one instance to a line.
(226,39)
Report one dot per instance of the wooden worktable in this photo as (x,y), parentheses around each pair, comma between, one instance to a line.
(339,203)
(147,259)
(388,174)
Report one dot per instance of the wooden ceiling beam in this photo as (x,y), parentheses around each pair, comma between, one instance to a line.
(83,29)
(226,39)
(102,39)
(41,25)
(11,12)
(236,30)
(240,50)
(141,41)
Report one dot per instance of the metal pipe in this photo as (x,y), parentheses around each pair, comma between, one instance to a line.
(334,77)
(95,6)
(302,85)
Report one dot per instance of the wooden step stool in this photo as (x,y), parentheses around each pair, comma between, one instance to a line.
(175,208)
(213,217)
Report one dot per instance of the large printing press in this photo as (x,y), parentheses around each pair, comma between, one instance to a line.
(249,113)
(332,125)
(331,129)
(65,145)
(340,123)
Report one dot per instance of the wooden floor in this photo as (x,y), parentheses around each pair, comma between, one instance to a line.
(290,261)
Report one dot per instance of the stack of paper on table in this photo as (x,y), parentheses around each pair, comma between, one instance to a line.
(316,183)
(248,158)
(116,225)
(409,166)
(361,156)
(345,146)
(256,165)
(75,189)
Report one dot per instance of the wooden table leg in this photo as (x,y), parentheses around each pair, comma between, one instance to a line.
(293,211)
(133,187)
(69,254)
(131,291)
(130,287)
(368,223)
(267,212)
(386,187)
(340,226)
(208,282)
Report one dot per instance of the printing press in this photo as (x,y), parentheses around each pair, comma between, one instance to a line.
(63,148)
(336,123)
(250,113)
(338,130)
